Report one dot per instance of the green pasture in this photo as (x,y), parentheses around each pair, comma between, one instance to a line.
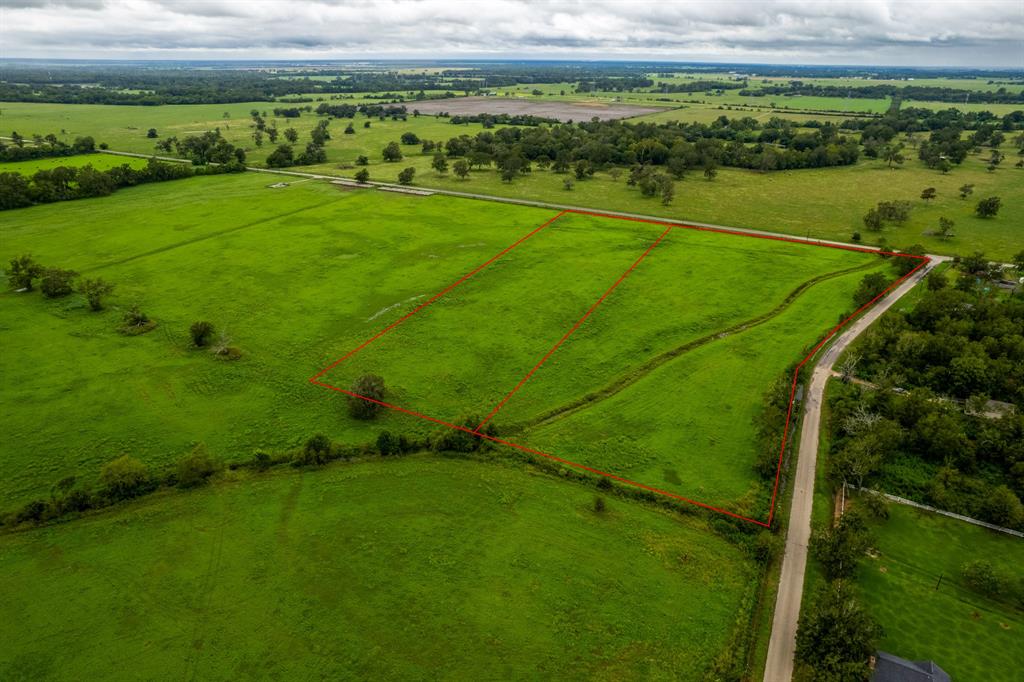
(827,203)
(97,161)
(914,590)
(418,569)
(289,274)
(687,427)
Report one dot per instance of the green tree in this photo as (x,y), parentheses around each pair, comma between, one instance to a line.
(928,193)
(95,290)
(966,191)
(392,152)
(151,133)
(23,271)
(873,220)
(870,287)
(369,390)
(893,155)
(840,548)
(406,176)
(292,135)
(837,636)
(410,138)
(362,175)
(439,163)
(387,444)
(988,207)
(461,168)
(945,230)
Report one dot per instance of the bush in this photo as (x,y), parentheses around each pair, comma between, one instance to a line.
(32,512)
(317,450)
(392,152)
(988,207)
(55,282)
(195,467)
(387,444)
(22,271)
(136,322)
(981,577)
(200,332)
(362,175)
(124,478)
(94,290)
(369,386)
(410,138)
(599,505)
(604,483)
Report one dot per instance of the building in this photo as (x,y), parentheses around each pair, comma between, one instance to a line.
(888,668)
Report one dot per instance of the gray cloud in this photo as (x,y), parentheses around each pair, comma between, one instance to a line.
(979,33)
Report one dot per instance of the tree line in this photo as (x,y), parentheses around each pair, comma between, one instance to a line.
(921,93)
(43,147)
(65,183)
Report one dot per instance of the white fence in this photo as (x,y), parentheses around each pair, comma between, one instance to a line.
(965,519)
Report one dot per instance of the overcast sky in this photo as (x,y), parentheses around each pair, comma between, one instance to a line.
(974,33)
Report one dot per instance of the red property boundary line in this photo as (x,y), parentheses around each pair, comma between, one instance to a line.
(668,227)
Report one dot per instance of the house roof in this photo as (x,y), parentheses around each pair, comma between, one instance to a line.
(889,668)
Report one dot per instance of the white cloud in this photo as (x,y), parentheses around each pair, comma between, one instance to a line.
(980,33)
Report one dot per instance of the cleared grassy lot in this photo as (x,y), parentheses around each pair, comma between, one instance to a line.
(915,591)
(423,568)
(286,272)
(687,426)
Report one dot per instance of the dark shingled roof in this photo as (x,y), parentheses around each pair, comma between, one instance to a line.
(889,668)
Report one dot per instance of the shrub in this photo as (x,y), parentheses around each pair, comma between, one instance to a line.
(261,461)
(136,322)
(94,291)
(387,444)
(56,282)
(362,160)
(317,450)
(23,270)
(32,512)
(124,478)
(981,577)
(362,175)
(604,483)
(369,386)
(392,152)
(599,505)
(410,138)
(200,332)
(195,467)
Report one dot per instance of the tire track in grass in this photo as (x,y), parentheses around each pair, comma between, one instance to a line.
(634,375)
(211,235)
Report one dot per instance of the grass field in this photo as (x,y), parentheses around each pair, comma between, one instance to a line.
(300,275)
(97,161)
(971,637)
(423,568)
(826,203)
(463,354)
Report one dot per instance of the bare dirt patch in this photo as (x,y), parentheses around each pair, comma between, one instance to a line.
(562,111)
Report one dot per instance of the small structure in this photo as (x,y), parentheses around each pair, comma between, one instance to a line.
(888,668)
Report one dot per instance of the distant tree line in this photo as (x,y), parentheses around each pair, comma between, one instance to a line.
(921,93)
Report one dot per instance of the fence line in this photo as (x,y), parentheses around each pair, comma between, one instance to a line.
(966,519)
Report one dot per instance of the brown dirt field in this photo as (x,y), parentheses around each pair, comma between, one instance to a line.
(563,111)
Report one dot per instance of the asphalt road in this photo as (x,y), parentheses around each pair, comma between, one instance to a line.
(782,645)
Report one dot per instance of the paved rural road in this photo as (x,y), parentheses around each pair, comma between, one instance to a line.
(782,645)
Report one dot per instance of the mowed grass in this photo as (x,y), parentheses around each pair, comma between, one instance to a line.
(687,427)
(285,272)
(415,569)
(971,637)
(97,161)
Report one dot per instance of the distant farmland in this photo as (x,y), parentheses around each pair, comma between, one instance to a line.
(562,111)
